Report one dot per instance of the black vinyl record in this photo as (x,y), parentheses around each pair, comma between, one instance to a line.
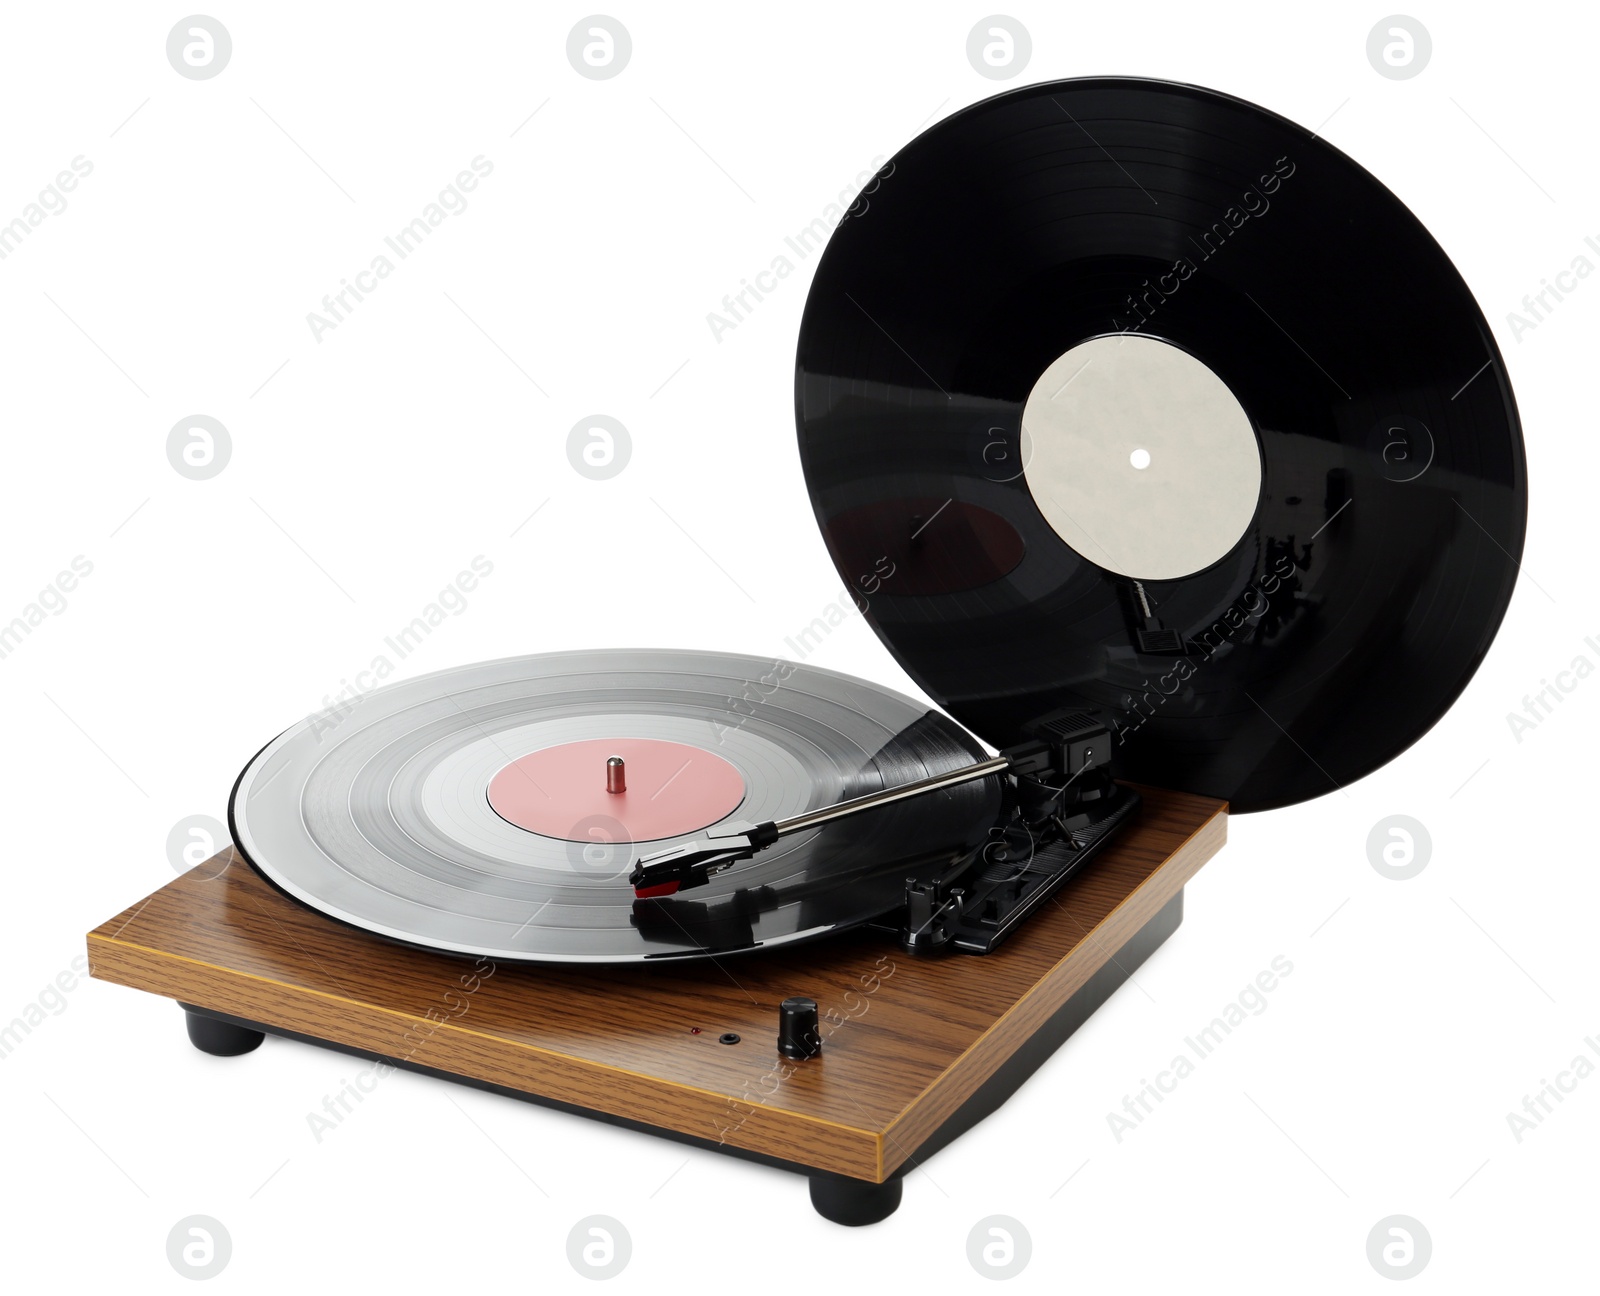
(1340,461)
(382,812)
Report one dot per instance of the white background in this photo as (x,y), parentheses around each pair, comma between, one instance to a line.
(372,465)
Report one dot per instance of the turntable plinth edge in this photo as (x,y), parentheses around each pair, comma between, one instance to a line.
(914,1051)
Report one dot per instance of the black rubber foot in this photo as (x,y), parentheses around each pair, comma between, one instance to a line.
(854,1201)
(219,1038)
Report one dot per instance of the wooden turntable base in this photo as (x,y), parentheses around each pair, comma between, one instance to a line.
(915,1050)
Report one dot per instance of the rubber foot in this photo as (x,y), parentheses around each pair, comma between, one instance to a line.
(220,1038)
(854,1201)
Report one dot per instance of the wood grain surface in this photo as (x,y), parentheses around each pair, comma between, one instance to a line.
(906,1040)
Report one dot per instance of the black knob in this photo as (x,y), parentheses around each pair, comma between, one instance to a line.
(798,1034)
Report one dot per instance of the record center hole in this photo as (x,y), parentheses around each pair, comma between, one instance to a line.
(1140,459)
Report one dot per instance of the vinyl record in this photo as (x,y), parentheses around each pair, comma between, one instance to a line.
(471,810)
(1129,397)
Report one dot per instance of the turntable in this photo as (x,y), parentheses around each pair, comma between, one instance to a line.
(1118,430)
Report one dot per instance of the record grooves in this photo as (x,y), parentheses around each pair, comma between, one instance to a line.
(386,822)
(1366,587)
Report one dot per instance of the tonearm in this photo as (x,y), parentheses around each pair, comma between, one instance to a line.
(1060,778)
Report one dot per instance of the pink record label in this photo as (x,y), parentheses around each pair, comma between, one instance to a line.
(670,789)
